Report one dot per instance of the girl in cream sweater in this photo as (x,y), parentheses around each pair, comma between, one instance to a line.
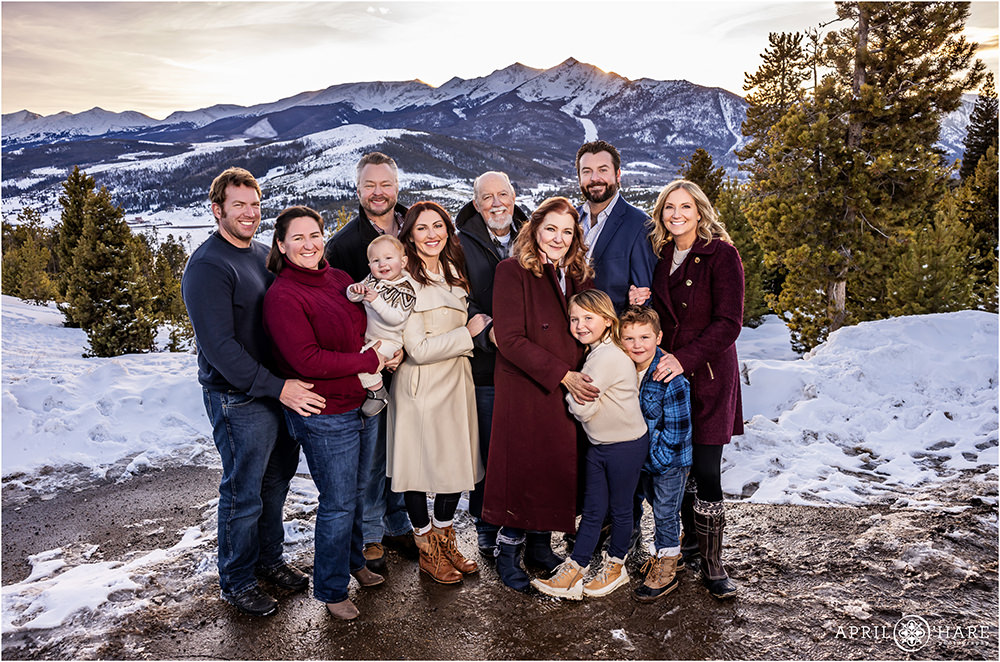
(619,442)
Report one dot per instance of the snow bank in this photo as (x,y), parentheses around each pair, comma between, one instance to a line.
(62,409)
(883,409)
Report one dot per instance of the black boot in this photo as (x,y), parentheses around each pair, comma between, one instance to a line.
(538,551)
(509,567)
(486,538)
(710,522)
(690,555)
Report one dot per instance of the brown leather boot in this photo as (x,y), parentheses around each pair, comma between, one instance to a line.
(449,547)
(433,561)
(661,578)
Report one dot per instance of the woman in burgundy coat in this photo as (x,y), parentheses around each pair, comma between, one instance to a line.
(531,479)
(698,292)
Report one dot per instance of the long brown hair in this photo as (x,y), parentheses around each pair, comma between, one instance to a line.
(275,260)
(709,225)
(452,256)
(526,248)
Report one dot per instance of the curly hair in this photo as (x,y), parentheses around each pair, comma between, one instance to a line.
(526,249)
(709,225)
(452,256)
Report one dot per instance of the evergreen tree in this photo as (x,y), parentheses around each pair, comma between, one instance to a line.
(170,258)
(699,168)
(982,131)
(729,206)
(979,210)
(27,258)
(772,89)
(77,190)
(108,294)
(849,175)
(932,274)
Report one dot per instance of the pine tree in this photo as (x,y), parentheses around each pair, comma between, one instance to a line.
(27,257)
(848,176)
(699,168)
(982,131)
(772,89)
(979,210)
(932,275)
(170,258)
(77,190)
(108,294)
(729,205)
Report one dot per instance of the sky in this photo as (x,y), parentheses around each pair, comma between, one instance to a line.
(158,57)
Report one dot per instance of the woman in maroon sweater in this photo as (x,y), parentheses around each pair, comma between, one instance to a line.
(317,335)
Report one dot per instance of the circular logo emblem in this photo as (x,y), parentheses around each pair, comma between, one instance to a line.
(911,633)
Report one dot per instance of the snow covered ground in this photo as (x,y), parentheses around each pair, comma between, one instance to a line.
(885,412)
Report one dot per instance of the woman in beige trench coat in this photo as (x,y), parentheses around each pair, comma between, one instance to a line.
(433,441)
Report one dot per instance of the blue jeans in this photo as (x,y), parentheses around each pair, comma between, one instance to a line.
(384,510)
(258,461)
(612,473)
(335,449)
(665,493)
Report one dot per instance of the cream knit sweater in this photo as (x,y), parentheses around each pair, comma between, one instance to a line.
(615,415)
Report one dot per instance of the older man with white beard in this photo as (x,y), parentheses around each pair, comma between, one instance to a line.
(487,227)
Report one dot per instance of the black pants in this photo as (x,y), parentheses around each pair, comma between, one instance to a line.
(706,470)
(445,506)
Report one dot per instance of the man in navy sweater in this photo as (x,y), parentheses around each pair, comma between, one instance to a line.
(223,288)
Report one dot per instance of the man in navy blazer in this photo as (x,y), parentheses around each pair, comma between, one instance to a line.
(615,231)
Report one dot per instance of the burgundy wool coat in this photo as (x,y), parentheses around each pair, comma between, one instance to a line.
(701,312)
(531,474)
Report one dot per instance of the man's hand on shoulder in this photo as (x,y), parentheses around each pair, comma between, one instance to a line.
(297,396)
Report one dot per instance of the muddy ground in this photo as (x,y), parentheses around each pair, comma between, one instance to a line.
(815,583)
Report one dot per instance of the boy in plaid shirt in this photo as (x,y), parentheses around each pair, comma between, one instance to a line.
(667,410)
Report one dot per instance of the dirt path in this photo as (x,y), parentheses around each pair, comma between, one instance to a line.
(816,583)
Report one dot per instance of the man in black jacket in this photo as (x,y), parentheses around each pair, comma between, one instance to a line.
(487,227)
(379,213)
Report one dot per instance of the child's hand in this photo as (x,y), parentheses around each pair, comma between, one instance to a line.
(357,288)
(370,294)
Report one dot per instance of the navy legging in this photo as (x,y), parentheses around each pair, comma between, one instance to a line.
(612,473)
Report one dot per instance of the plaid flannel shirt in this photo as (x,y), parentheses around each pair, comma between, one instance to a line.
(667,410)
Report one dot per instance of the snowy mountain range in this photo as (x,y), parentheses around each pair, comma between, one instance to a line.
(528,122)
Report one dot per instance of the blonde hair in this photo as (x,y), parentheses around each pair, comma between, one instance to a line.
(709,225)
(386,239)
(526,248)
(599,303)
